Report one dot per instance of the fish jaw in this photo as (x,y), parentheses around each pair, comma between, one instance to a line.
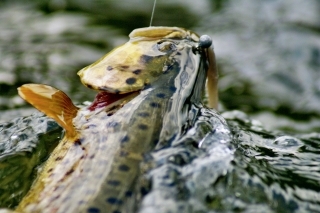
(127,68)
(110,101)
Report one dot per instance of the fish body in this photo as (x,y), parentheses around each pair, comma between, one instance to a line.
(93,169)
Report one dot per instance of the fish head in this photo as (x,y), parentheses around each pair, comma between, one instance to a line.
(139,62)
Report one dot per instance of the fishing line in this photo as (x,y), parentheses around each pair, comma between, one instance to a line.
(154,6)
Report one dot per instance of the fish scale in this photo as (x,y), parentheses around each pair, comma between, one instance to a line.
(119,142)
(138,141)
(94,168)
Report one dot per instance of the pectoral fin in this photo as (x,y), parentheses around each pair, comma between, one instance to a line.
(52,102)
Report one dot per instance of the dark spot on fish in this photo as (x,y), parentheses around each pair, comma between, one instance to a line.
(112,124)
(58,158)
(66,161)
(147,86)
(109,68)
(137,72)
(51,175)
(114,182)
(131,81)
(143,126)
(124,168)
(89,86)
(98,176)
(50,170)
(93,210)
(104,88)
(92,126)
(144,114)
(82,157)
(92,156)
(77,142)
(128,193)
(115,201)
(184,77)
(178,53)
(177,159)
(172,89)
(125,139)
(104,117)
(155,142)
(155,105)
(103,162)
(69,172)
(104,138)
(161,95)
(123,154)
(55,198)
(66,199)
(112,108)
(124,67)
(195,144)
(147,157)
(57,187)
(103,148)
(144,191)
(145,59)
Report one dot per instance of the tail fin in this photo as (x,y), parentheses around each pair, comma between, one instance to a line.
(52,102)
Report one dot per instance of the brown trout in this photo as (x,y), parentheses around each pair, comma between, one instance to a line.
(146,87)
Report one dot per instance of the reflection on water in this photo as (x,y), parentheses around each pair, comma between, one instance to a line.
(24,144)
(279,173)
(237,167)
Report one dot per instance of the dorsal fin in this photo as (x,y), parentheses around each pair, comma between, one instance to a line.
(52,102)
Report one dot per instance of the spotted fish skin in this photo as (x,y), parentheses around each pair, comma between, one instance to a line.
(137,63)
(95,169)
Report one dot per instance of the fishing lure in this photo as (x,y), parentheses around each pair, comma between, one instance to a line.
(145,89)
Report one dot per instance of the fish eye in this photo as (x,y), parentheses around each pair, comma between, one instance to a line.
(166,46)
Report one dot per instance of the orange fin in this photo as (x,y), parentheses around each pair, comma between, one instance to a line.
(52,102)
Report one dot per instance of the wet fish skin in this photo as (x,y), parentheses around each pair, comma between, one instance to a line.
(137,63)
(94,167)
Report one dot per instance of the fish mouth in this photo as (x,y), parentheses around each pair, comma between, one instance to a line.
(111,101)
